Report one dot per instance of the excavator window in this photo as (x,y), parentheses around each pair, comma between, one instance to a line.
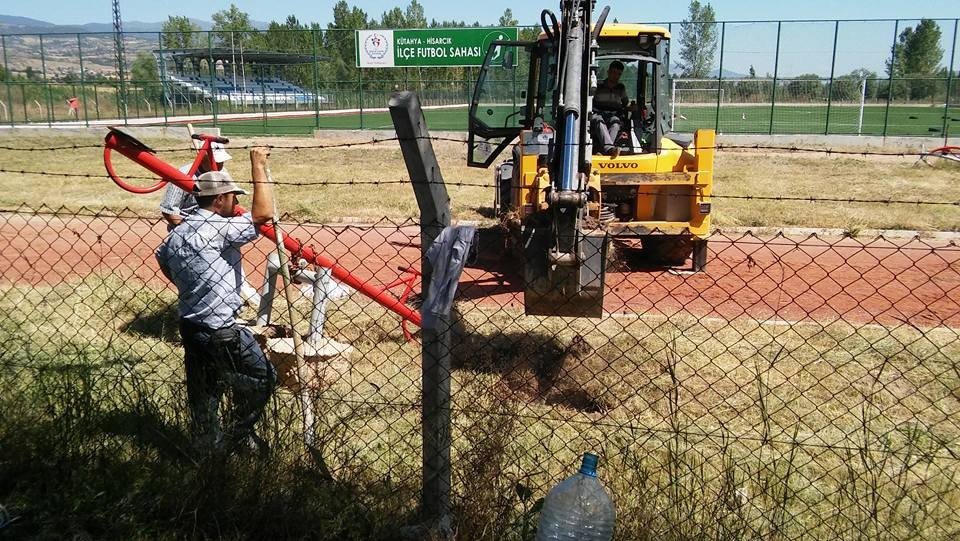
(503,99)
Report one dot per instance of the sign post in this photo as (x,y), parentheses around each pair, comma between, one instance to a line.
(435,47)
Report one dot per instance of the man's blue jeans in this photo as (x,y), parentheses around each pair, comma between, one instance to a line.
(219,359)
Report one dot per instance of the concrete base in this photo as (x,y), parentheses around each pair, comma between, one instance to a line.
(324,362)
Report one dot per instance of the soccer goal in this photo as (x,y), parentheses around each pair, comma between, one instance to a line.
(788,103)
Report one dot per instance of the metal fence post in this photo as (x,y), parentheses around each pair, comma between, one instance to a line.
(723,30)
(162,73)
(893,69)
(776,68)
(316,80)
(263,98)
(46,83)
(833,66)
(360,89)
(213,75)
(6,77)
(946,105)
(434,203)
(83,82)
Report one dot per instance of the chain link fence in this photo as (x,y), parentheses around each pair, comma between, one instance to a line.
(799,388)
(765,77)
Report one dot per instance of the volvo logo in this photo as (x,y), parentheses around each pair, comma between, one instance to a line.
(617,165)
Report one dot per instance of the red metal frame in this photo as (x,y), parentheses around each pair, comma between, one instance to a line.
(130,147)
(144,155)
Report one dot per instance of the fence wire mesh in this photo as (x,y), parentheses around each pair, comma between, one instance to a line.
(766,77)
(798,388)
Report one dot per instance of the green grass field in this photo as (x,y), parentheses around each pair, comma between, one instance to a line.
(733,119)
(437,119)
(812,119)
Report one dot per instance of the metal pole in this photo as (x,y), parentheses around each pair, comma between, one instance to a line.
(673,103)
(946,105)
(263,98)
(83,82)
(46,83)
(434,203)
(233,61)
(360,86)
(776,67)
(6,76)
(316,80)
(163,78)
(23,98)
(833,65)
(96,99)
(213,80)
(893,69)
(723,32)
(863,101)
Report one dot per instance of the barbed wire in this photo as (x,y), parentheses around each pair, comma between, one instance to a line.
(468,184)
(377,141)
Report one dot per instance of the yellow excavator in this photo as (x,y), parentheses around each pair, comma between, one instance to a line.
(569,194)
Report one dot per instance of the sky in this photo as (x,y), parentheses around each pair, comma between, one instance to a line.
(487,12)
(804,47)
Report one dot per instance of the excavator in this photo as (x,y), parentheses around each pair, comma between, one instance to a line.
(571,199)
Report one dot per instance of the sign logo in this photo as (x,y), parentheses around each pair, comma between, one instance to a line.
(376,46)
(391,48)
(498,50)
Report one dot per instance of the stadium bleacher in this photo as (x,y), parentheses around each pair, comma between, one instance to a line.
(268,90)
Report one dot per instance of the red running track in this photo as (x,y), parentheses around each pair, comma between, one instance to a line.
(883,281)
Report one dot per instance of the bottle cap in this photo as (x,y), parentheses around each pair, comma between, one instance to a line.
(589,465)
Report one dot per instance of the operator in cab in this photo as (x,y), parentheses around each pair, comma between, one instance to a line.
(610,105)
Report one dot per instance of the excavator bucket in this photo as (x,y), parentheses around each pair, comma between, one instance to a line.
(569,288)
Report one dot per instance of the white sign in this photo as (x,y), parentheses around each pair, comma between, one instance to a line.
(375,48)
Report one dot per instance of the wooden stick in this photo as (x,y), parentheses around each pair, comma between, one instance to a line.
(297,341)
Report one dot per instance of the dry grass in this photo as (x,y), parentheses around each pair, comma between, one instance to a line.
(738,173)
(707,428)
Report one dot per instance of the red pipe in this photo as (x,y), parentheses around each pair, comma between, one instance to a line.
(143,155)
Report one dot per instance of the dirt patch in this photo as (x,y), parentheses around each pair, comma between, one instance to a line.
(535,367)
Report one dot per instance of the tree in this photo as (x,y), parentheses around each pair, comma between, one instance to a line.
(394,18)
(848,87)
(232,27)
(916,60)
(698,40)
(339,40)
(143,73)
(805,87)
(415,15)
(507,19)
(753,72)
(179,33)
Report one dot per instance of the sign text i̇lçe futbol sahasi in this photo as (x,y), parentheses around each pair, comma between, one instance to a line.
(427,47)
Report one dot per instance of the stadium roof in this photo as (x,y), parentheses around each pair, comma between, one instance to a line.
(253,57)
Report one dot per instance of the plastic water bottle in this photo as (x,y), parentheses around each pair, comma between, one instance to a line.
(578,508)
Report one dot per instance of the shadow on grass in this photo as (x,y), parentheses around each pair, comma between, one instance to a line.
(532,365)
(161,324)
(73,468)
